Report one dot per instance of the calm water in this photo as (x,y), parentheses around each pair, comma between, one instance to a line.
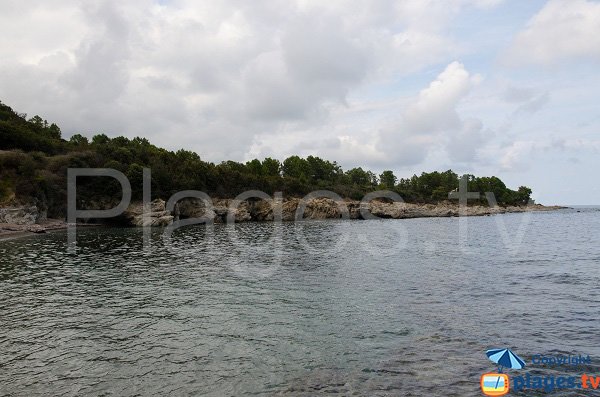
(373,308)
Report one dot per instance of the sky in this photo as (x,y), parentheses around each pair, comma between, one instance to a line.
(487,87)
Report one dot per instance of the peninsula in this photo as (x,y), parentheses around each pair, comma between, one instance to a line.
(34,159)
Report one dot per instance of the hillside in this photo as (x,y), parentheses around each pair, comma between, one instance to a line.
(34,159)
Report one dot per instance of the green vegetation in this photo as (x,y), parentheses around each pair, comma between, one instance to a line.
(34,160)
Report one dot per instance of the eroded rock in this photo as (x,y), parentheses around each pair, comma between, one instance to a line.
(319,208)
(158,215)
(24,215)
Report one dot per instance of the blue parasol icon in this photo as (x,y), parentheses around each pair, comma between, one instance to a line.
(505,358)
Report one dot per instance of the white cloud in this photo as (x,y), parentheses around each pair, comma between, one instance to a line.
(561,30)
(435,108)
(513,94)
(533,105)
(427,123)
(432,120)
(348,82)
(520,154)
(213,77)
(464,145)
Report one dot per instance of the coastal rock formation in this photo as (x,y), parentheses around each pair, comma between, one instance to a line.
(23,215)
(13,227)
(196,208)
(158,215)
(443,209)
(286,210)
(45,225)
(326,208)
(323,208)
(262,210)
(30,220)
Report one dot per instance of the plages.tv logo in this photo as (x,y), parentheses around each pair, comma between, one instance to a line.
(497,383)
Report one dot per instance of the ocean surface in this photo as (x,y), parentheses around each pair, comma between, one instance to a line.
(364,308)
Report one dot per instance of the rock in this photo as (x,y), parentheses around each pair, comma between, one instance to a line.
(262,210)
(250,210)
(190,208)
(25,215)
(239,212)
(35,229)
(158,216)
(288,209)
(323,208)
(318,208)
(354,209)
(163,220)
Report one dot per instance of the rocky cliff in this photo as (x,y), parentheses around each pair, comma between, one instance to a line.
(22,215)
(325,208)
(31,219)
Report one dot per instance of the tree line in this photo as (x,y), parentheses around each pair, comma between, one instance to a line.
(34,159)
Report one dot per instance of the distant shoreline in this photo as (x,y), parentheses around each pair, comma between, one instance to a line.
(9,231)
(315,209)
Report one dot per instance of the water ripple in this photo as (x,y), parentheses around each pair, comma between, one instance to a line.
(254,315)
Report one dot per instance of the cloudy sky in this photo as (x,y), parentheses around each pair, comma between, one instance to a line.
(490,87)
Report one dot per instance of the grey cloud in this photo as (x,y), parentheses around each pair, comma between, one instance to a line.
(528,99)
(432,121)
(329,143)
(534,104)
(403,148)
(560,31)
(315,66)
(513,94)
(322,55)
(211,77)
(463,145)
(100,73)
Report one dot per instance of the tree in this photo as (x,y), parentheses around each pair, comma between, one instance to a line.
(295,167)
(388,179)
(232,166)
(374,181)
(37,121)
(135,174)
(100,139)
(255,167)
(322,170)
(54,131)
(271,167)
(78,140)
(524,194)
(359,177)
(186,156)
(34,159)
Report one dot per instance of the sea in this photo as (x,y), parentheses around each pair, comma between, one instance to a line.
(377,307)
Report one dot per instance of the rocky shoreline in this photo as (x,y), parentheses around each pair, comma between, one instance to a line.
(318,208)
(29,219)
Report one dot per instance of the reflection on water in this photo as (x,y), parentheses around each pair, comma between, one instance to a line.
(390,307)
